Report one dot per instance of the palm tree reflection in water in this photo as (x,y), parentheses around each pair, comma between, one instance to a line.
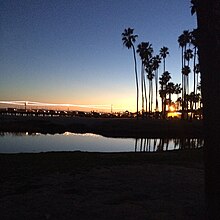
(165,144)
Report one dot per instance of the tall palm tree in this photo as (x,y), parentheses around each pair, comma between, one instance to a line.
(128,39)
(156,60)
(185,72)
(182,43)
(149,70)
(145,51)
(163,53)
(197,71)
(184,40)
(141,51)
(194,42)
(188,55)
(150,77)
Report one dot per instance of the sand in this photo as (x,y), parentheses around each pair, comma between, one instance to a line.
(76,185)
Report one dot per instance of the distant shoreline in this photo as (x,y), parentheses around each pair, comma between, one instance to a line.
(108,127)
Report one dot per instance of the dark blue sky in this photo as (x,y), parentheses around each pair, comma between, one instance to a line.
(70,51)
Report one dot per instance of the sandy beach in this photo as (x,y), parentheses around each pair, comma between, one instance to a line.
(77,185)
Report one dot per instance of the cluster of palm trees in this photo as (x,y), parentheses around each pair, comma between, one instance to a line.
(150,64)
(188,43)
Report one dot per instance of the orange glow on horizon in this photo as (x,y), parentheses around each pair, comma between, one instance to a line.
(117,107)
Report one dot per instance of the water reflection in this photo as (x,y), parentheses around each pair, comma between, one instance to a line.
(19,134)
(164,144)
(35,142)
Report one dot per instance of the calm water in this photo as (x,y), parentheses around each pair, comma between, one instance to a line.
(24,142)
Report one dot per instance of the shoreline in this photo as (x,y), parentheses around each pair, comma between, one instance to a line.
(108,127)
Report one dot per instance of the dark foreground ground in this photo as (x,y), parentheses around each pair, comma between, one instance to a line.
(105,186)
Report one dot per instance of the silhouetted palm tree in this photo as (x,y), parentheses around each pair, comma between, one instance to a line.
(150,77)
(145,51)
(156,63)
(184,40)
(129,38)
(141,52)
(170,89)
(194,42)
(163,53)
(188,55)
(178,103)
(197,71)
(185,72)
(163,80)
(177,89)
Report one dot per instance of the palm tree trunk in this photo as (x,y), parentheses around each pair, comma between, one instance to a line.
(194,75)
(142,88)
(164,64)
(149,96)
(184,83)
(182,87)
(164,106)
(136,76)
(145,93)
(151,84)
(156,87)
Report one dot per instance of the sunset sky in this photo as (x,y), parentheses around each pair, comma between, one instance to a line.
(70,51)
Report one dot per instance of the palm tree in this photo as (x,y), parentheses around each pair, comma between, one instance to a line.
(185,72)
(141,52)
(163,53)
(194,42)
(145,51)
(163,80)
(149,69)
(156,63)
(150,77)
(197,71)
(178,103)
(177,89)
(188,55)
(128,39)
(170,89)
(184,40)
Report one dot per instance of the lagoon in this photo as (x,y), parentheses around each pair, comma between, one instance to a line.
(36,142)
